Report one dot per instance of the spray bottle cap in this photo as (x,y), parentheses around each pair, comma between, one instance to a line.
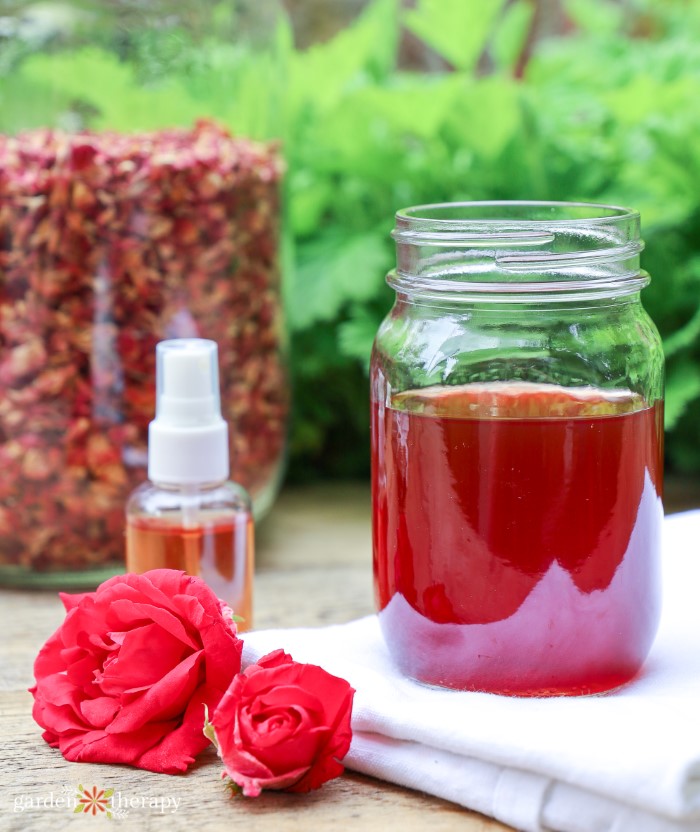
(188,439)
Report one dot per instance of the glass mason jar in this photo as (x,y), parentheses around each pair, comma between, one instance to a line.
(517,443)
(139,201)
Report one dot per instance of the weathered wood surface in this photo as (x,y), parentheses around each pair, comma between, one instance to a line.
(313,567)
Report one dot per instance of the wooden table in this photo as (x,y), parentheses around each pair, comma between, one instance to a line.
(313,568)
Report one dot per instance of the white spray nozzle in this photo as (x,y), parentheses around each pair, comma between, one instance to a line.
(187,382)
(188,439)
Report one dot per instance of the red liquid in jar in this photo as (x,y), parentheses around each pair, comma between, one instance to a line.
(516,535)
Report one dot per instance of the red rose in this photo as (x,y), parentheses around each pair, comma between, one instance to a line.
(126,676)
(283,725)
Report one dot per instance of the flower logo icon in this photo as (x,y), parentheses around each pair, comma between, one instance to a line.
(93,801)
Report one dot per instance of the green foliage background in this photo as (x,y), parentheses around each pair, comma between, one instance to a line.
(610,112)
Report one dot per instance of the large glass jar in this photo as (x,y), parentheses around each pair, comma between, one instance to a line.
(517,446)
(139,200)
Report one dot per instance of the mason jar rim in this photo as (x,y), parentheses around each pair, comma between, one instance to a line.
(428,214)
(518,247)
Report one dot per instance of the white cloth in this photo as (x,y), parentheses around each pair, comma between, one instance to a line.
(625,762)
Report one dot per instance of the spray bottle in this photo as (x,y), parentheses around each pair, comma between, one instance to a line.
(189,516)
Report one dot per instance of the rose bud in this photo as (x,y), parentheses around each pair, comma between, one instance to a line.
(283,725)
(127,676)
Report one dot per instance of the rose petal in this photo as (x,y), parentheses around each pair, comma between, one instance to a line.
(291,691)
(178,748)
(252,786)
(71,600)
(51,739)
(132,613)
(157,586)
(147,654)
(81,622)
(166,699)
(61,718)
(222,647)
(49,660)
(59,690)
(100,747)
(274,659)
(99,712)
(321,773)
(244,762)
(82,673)
(300,749)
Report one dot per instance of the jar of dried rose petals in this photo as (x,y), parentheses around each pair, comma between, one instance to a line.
(132,209)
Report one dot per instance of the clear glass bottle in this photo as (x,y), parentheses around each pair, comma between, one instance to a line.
(139,200)
(188,516)
(517,449)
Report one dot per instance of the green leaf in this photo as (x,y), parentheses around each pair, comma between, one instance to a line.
(599,17)
(511,34)
(458,30)
(106,91)
(682,387)
(313,194)
(323,72)
(91,86)
(645,97)
(332,272)
(46,103)
(108,792)
(684,337)
(79,808)
(414,105)
(356,336)
(487,116)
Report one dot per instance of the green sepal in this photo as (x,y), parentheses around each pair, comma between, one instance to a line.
(208,730)
(232,788)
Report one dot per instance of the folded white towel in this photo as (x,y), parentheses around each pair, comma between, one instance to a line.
(625,762)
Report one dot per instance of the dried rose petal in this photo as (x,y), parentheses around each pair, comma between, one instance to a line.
(108,244)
